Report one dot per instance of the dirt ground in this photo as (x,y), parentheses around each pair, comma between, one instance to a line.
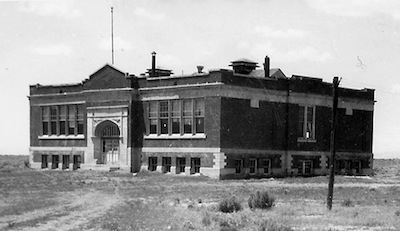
(88,200)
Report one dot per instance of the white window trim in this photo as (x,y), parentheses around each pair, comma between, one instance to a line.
(175,136)
(61,137)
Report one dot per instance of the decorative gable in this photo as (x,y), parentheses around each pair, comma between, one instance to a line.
(107,77)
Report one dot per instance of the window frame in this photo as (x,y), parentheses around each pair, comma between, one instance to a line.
(251,167)
(62,121)
(268,166)
(176,115)
(183,116)
(45,120)
(302,167)
(45,161)
(304,121)
(199,113)
(194,165)
(54,131)
(163,117)
(238,166)
(180,165)
(166,164)
(152,164)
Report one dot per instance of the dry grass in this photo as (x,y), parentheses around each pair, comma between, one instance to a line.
(88,200)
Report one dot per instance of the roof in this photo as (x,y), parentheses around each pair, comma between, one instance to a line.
(273,72)
(243,60)
(105,67)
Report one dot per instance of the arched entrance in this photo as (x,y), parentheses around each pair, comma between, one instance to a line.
(109,135)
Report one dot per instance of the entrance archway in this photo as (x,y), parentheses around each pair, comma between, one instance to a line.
(109,135)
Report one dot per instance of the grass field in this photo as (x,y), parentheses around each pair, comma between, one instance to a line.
(89,200)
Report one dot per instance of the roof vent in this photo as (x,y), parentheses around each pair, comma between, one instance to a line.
(243,66)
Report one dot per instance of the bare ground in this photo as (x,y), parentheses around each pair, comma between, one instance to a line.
(86,200)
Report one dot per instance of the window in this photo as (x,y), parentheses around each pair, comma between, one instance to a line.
(238,166)
(53,120)
(253,166)
(166,164)
(77,162)
(199,116)
(55,159)
(164,117)
(305,167)
(358,166)
(44,161)
(62,120)
(79,118)
(180,164)
(153,116)
(266,165)
(187,116)
(152,163)
(176,116)
(307,122)
(45,120)
(195,165)
(71,120)
(65,163)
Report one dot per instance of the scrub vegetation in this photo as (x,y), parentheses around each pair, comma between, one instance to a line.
(91,200)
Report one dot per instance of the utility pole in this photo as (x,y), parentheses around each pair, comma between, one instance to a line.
(333,142)
(112,36)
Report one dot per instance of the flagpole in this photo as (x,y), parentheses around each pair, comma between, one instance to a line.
(112,37)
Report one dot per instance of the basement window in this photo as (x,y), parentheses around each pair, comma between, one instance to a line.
(65,162)
(180,165)
(77,162)
(152,163)
(44,161)
(266,165)
(166,164)
(55,159)
(238,166)
(253,166)
(195,165)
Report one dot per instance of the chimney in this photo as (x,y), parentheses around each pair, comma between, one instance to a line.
(200,69)
(153,64)
(266,67)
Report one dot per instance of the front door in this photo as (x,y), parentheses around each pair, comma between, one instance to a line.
(110,153)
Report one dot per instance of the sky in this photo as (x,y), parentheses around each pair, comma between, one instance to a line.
(56,42)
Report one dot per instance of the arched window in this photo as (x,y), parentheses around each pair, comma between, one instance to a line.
(111,130)
(107,129)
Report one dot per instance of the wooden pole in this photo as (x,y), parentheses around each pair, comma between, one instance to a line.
(333,143)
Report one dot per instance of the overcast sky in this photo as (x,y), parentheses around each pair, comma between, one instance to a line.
(54,42)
